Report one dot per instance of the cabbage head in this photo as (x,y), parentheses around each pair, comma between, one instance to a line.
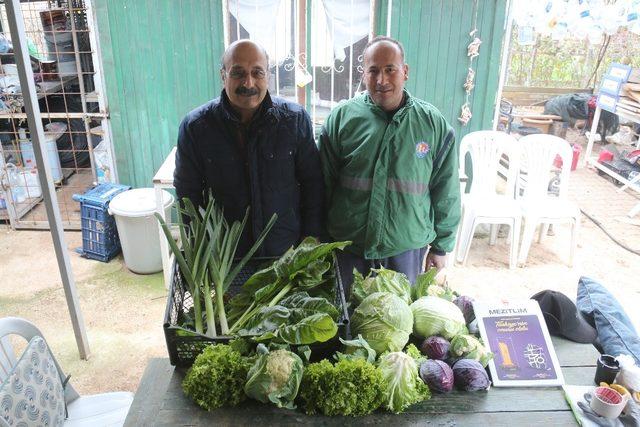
(384,320)
(470,347)
(437,316)
(275,377)
(404,387)
(384,280)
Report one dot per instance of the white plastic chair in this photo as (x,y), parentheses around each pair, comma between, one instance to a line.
(107,409)
(538,206)
(483,204)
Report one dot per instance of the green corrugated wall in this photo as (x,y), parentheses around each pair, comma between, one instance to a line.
(160,60)
(435,35)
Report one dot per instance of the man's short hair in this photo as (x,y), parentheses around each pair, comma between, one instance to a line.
(378,39)
(223,57)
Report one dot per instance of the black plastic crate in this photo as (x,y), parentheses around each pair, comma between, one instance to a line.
(183,349)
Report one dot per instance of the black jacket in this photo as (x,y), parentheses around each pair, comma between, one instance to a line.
(279,172)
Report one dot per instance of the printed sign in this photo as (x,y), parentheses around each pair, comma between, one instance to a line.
(619,71)
(607,102)
(611,85)
(518,337)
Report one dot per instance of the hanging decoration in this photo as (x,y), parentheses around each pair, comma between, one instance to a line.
(577,19)
(473,51)
(469,82)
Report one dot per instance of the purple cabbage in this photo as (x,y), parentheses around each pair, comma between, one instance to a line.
(437,375)
(465,304)
(469,375)
(435,347)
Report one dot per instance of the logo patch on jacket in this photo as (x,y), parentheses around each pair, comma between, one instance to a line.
(422,148)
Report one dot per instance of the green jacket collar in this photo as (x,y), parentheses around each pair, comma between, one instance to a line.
(380,112)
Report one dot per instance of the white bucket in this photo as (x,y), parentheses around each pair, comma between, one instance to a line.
(29,157)
(138,228)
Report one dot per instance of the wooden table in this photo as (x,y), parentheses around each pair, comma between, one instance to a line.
(160,401)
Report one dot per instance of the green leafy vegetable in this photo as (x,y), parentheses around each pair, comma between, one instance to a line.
(403,384)
(356,349)
(384,320)
(275,377)
(350,387)
(437,316)
(217,378)
(299,319)
(426,286)
(383,280)
(413,351)
(300,269)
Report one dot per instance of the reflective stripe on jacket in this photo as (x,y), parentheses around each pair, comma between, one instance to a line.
(391,183)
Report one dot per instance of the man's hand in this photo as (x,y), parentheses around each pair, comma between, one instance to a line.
(437,261)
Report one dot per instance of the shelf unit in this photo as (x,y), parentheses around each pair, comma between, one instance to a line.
(610,91)
(62,31)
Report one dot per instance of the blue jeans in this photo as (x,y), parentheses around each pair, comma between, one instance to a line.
(411,263)
(616,333)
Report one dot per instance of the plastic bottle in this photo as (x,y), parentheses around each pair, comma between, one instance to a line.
(18,193)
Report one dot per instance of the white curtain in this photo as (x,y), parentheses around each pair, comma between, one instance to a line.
(335,25)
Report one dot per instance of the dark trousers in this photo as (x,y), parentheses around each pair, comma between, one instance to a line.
(411,263)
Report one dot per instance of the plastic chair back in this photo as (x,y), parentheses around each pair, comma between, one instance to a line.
(486,149)
(539,153)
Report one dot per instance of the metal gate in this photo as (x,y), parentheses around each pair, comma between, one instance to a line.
(65,61)
(314,46)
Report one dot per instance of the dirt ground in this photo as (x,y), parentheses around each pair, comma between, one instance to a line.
(123,311)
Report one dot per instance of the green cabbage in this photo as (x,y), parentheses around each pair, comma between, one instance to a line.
(384,320)
(404,387)
(437,316)
(383,281)
(275,377)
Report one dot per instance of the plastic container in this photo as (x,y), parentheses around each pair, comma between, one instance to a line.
(29,157)
(138,228)
(29,180)
(18,192)
(58,37)
(99,233)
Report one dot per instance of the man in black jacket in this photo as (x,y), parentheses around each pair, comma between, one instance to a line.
(250,149)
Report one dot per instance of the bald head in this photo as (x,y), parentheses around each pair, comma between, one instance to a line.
(243,47)
(245,76)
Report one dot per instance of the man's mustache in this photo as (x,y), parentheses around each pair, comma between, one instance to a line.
(382,88)
(245,91)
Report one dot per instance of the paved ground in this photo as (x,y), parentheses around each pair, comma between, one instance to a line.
(123,311)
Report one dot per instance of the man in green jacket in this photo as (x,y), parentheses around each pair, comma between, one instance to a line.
(390,164)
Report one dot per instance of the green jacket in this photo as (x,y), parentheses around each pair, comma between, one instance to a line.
(392,184)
